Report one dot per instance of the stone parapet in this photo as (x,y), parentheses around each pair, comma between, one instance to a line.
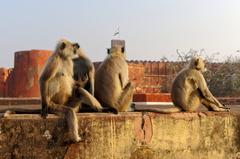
(19,101)
(138,97)
(138,135)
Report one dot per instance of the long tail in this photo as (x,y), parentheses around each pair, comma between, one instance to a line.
(6,112)
(164,111)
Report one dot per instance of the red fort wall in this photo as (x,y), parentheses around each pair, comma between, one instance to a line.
(152,79)
(22,80)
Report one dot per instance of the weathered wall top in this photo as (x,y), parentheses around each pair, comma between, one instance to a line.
(124,136)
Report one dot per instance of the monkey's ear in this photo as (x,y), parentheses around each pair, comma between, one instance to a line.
(123,49)
(62,46)
(76,45)
(108,51)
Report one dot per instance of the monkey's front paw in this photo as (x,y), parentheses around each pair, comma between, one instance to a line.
(44,115)
(224,109)
(44,111)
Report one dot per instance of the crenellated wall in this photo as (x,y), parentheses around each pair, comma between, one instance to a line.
(149,77)
(22,80)
(155,76)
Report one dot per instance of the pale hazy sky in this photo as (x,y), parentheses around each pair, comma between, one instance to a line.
(152,28)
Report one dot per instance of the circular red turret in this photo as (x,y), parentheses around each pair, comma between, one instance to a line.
(23,81)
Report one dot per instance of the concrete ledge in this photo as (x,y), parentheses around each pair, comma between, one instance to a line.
(140,98)
(19,101)
(133,135)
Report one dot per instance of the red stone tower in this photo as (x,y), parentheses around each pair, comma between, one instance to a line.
(23,80)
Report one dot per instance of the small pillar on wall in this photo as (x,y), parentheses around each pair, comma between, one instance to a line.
(115,42)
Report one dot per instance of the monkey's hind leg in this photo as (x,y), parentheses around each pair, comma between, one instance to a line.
(126,98)
(87,98)
(71,120)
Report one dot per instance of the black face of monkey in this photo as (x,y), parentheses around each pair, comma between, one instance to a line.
(199,64)
(62,46)
(115,49)
(123,49)
(75,46)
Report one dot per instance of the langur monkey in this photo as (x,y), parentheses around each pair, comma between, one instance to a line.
(113,88)
(189,90)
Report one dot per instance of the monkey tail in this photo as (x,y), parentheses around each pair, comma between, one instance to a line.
(164,111)
(8,111)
